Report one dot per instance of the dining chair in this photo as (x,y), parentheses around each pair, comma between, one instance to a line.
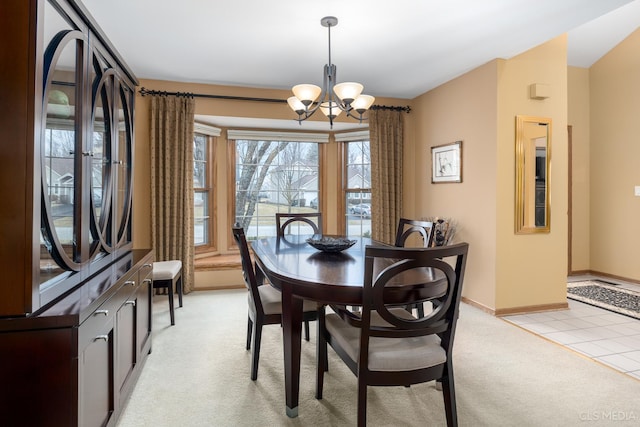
(286,221)
(407,229)
(265,303)
(386,345)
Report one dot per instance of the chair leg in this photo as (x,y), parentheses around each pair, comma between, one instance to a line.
(255,353)
(362,404)
(249,329)
(306,330)
(449,395)
(179,286)
(321,354)
(171,305)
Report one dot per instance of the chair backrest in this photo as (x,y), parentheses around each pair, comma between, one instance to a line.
(447,262)
(248,271)
(407,227)
(285,220)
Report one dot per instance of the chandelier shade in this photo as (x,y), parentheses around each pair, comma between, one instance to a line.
(332,98)
(363,103)
(306,93)
(348,92)
(330,109)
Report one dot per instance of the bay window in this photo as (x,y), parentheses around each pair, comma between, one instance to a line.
(273,172)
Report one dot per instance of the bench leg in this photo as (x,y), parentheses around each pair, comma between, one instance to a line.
(171,309)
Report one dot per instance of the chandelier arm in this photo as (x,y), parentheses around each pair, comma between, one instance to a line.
(358,117)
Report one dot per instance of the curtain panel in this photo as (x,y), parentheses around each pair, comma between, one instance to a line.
(172,119)
(386,128)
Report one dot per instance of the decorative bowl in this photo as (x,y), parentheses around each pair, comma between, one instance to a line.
(331,243)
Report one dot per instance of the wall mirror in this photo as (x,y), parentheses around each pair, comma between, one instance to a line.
(533,155)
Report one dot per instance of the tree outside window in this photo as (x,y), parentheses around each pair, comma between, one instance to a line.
(272,177)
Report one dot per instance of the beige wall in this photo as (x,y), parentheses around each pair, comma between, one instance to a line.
(578,98)
(532,268)
(462,109)
(614,166)
(504,272)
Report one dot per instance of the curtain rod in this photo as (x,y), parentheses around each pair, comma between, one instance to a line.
(406,108)
(143,92)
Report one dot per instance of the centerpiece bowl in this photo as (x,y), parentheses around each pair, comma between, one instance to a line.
(331,243)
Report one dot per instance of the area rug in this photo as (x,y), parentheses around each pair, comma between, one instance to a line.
(606,295)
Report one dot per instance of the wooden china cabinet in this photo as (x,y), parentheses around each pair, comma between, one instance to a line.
(75,297)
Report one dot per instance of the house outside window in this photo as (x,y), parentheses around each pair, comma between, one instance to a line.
(273,175)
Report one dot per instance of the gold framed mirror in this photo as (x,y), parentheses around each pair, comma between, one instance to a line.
(533,157)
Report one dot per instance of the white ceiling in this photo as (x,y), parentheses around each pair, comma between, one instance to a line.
(399,48)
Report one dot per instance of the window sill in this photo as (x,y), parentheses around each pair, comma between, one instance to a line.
(218,262)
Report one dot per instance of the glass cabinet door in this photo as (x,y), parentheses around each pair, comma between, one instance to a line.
(60,144)
(84,137)
(123,165)
(101,153)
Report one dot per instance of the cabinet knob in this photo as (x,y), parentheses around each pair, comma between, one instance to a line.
(130,302)
(105,338)
(105,312)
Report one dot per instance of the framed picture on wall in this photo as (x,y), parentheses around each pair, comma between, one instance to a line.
(446,163)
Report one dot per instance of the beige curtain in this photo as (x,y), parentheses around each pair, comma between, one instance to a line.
(386,137)
(172,120)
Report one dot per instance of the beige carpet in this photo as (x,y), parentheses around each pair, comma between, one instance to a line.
(198,375)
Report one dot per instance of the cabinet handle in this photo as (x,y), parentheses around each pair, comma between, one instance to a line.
(102,337)
(147,265)
(130,282)
(87,153)
(105,312)
(147,281)
(130,302)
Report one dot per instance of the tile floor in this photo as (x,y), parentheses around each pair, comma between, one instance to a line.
(610,338)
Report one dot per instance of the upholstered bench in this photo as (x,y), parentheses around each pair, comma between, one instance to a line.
(168,274)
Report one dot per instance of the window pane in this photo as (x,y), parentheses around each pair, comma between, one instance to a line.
(271,177)
(202,230)
(199,161)
(358,214)
(201,218)
(358,189)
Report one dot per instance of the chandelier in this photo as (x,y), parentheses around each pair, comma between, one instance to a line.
(334,98)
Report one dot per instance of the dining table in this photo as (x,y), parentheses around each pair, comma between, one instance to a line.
(301,271)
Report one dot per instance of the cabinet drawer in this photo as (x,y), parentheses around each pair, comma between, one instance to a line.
(93,326)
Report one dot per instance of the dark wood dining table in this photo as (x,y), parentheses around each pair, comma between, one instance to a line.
(300,272)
